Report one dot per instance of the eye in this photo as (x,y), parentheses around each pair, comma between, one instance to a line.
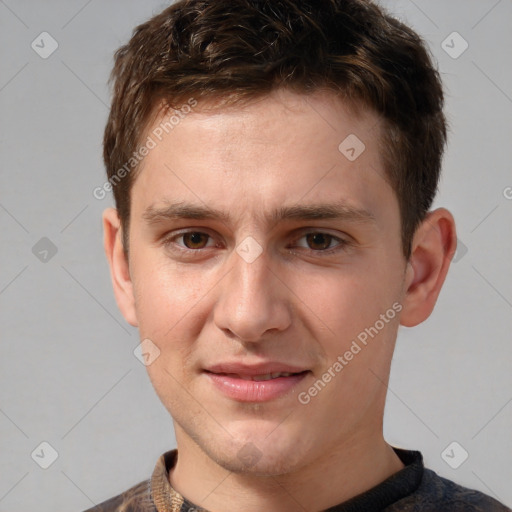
(191,240)
(315,241)
(321,242)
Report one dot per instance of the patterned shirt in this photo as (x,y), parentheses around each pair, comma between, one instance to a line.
(412,489)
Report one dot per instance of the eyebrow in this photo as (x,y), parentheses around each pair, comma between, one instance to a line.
(320,211)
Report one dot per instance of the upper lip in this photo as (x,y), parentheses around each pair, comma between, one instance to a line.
(255,369)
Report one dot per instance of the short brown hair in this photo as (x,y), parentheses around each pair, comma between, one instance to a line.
(239,49)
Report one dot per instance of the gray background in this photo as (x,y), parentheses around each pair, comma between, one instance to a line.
(68,373)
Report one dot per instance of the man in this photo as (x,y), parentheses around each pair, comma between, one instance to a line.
(273,165)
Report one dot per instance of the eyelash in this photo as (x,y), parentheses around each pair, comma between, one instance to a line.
(341,243)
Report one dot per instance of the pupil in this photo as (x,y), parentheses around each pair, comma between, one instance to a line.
(194,238)
(319,239)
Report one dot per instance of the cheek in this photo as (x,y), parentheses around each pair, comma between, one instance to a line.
(358,313)
(164,296)
(357,364)
(346,302)
(171,310)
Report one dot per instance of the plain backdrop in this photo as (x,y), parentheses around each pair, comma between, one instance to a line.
(68,373)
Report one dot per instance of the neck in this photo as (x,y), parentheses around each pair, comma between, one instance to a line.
(349,469)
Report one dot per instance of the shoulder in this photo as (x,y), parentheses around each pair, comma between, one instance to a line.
(438,494)
(135,499)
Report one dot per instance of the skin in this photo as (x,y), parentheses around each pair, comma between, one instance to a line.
(293,304)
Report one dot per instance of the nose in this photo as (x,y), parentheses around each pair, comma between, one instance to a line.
(252,300)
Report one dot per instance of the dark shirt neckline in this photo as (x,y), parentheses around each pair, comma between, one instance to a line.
(394,488)
(397,486)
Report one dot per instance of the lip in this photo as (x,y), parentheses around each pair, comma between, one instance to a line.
(227,378)
(251,370)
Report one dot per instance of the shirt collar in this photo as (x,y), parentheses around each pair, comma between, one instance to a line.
(394,488)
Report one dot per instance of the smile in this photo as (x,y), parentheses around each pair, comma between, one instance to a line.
(255,388)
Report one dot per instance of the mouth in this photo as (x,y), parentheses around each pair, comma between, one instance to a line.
(251,387)
(260,378)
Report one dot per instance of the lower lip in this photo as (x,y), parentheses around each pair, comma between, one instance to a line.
(255,391)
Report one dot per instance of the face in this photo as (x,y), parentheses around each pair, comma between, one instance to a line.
(259,245)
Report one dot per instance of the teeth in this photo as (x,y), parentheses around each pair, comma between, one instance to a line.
(268,376)
(258,378)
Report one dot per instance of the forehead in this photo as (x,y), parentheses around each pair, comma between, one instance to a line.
(257,118)
(282,148)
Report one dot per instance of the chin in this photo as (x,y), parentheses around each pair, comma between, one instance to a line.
(260,464)
(260,454)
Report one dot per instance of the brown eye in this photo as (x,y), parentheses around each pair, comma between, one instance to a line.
(195,240)
(319,241)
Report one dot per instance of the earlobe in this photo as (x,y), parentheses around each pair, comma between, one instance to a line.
(433,247)
(119,267)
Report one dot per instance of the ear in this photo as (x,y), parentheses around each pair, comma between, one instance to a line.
(119,267)
(433,248)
